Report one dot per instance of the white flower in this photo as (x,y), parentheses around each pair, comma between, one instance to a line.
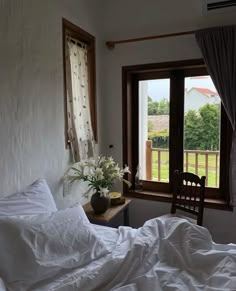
(109,162)
(89,171)
(126,169)
(103,191)
(101,159)
(98,174)
(119,175)
(117,169)
(91,162)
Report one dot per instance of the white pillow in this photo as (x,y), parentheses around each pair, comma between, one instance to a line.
(81,212)
(35,199)
(34,248)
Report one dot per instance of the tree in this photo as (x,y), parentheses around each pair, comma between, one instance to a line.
(201,128)
(192,130)
(210,116)
(158,108)
(153,108)
(163,107)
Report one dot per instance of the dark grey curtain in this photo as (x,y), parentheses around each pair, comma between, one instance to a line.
(218,46)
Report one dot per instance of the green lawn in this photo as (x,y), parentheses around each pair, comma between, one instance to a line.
(191,168)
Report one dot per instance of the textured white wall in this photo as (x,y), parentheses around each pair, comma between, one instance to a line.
(137,18)
(31,90)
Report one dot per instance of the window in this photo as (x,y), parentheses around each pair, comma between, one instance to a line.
(173,119)
(74,32)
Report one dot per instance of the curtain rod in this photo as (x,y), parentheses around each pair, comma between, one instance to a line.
(111,44)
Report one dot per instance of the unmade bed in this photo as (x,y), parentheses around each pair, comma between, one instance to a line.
(61,250)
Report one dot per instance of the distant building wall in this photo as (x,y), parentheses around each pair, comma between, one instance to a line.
(195,99)
(159,122)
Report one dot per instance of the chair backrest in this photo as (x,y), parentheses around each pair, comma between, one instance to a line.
(189,194)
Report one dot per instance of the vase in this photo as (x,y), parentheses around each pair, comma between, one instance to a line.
(99,203)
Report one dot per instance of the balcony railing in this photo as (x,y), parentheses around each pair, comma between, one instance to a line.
(196,161)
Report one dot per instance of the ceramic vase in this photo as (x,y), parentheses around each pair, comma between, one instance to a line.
(99,203)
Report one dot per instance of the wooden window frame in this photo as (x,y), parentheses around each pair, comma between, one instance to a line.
(131,75)
(72,30)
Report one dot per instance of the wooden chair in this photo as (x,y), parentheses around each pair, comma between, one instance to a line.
(188,196)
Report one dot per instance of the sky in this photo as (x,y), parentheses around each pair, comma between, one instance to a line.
(159,89)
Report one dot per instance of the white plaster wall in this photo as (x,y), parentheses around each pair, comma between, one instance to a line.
(31,90)
(137,18)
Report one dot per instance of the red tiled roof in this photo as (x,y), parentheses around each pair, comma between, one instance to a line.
(205,91)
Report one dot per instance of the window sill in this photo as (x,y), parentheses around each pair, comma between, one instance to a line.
(220,204)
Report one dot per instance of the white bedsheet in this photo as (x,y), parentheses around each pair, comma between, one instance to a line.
(2,285)
(170,254)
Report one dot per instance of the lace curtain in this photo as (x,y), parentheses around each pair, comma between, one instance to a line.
(78,108)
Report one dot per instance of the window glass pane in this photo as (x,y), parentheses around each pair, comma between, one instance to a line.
(154,100)
(202,129)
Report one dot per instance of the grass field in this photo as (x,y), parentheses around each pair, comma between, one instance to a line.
(191,168)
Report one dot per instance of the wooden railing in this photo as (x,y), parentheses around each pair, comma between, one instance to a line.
(196,161)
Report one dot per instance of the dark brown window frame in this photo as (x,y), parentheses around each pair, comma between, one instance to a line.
(72,30)
(176,71)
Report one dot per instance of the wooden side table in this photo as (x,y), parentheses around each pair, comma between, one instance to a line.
(106,217)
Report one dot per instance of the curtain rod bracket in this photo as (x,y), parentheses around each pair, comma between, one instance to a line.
(110,45)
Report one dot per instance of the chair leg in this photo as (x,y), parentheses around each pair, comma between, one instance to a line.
(173,209)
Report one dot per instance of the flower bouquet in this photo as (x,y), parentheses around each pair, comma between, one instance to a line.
(100,173)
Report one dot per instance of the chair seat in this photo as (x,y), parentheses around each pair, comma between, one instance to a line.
(169,215)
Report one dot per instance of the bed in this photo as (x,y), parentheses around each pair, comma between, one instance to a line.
(61,250)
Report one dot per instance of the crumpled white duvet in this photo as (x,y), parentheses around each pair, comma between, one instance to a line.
(170,254)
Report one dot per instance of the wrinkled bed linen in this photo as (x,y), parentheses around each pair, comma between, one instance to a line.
(170,254)
(2,285)
(38,247)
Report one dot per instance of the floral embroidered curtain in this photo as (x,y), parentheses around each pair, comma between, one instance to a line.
(78,108)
